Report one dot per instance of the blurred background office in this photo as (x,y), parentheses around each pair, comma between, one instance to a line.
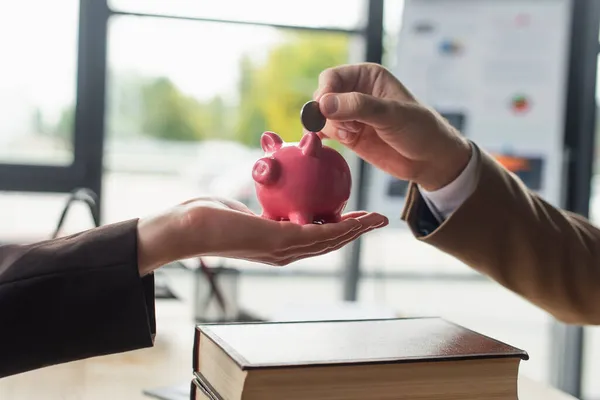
(147,103)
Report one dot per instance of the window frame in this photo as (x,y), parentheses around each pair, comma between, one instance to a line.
(89,135)
(579,143)
(86,168)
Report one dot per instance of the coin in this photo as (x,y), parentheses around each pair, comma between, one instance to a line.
(311,117)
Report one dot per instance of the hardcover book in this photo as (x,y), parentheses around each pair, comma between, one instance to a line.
(424,358)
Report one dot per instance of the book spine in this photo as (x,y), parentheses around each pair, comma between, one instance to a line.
(195,366)
(193,390)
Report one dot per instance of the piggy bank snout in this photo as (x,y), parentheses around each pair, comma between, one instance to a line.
(266,171)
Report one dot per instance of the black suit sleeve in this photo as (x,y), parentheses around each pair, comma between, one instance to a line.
(72,298)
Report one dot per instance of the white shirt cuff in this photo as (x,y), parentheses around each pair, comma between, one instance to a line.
(443,202)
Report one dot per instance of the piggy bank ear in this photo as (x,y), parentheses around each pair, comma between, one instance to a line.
(310,144)
(270,142)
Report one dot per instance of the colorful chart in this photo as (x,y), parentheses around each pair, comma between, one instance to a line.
(527,168)
(522,20)
(520,104)
(451,47)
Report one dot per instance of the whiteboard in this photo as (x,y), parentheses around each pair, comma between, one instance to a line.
(497,70)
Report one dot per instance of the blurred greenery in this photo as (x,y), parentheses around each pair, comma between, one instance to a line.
(168,114)
(157,108)
(271,93)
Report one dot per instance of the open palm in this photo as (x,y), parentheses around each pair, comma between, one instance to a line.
(234,231)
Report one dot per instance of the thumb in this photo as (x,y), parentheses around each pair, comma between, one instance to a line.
(355,106)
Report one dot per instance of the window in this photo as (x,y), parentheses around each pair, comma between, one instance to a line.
(31,217)
(591,385)
(344,14)
(185,111)
(38,41)
(416,279)
(186,103)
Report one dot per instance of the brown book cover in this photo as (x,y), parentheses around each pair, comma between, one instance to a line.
(322,343)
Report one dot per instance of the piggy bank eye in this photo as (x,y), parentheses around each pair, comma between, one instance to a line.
(270,142)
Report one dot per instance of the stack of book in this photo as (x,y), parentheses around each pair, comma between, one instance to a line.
(413,358)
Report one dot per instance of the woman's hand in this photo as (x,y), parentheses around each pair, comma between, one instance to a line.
(227,228)
(373,114)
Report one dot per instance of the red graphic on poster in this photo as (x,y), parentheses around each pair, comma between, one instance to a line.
(512,163)
(520,104)
(522,20)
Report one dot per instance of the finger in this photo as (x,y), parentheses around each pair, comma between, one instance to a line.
(335,245)
(332,80)
(291,236)
(352,126)
(217,202)
(196,200)
(354,214)
(367,145)
(331,246)
(294,237)
(321,135)
(360,107)
(331,129)
(320,233)
(322,247)
(311,235)
(347,132)
(372,219)
(345,78)
(348,126)
(235,205)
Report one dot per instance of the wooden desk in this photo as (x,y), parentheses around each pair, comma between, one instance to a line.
(124,376)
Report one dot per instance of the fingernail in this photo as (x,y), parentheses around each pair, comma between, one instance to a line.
(329,104)
(342,135)
(317,94)
(351,126)
(383,221)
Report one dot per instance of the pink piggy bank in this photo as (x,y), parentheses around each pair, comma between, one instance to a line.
(304,183)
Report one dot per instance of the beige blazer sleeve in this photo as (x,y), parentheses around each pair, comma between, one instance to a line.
(549,256)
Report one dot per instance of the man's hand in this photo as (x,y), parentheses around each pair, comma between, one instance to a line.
(227,228)
(373,114)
